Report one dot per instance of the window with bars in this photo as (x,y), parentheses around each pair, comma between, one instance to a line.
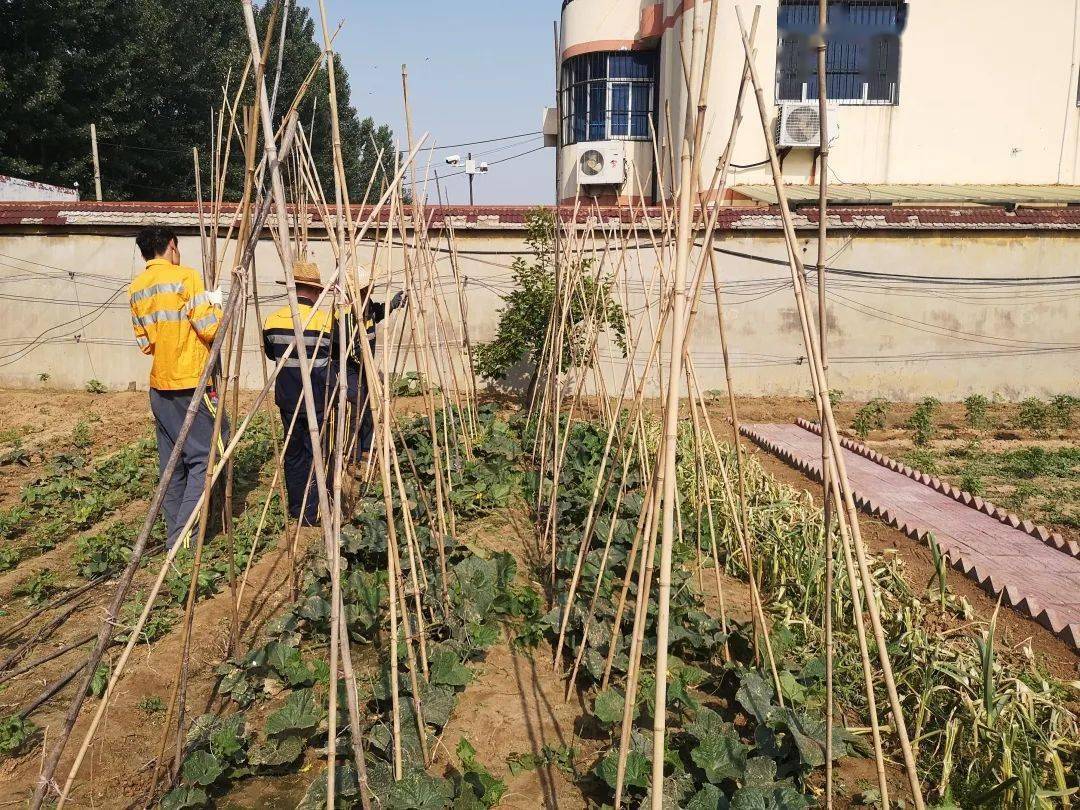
(609,96)
(862,54)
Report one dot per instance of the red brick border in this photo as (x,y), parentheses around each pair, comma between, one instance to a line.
(991,581)
(1041,533)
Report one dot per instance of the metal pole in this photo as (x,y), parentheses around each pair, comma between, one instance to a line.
(469,172)
(97,166)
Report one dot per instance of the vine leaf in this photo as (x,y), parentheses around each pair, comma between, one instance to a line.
(609,706)
(755,695)
(446,668)
(419,791)
(184,797)
(768,798)
(276,752)
(201,768)
(721,754)
(300,713)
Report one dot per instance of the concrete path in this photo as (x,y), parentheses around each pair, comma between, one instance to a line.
(1038,578)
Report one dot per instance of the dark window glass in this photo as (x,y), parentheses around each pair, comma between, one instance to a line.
(609,95)
(862,58)
(620,109)
(640,106)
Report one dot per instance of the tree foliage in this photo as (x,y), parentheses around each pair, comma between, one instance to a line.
(148,73)
(519,339)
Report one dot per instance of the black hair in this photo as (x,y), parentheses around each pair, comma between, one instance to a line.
(154,241)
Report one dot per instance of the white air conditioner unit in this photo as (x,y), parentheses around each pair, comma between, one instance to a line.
(799,125)
(601,163)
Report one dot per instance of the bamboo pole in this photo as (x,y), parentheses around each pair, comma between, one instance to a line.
(829,426)
(671,430)
(826,461)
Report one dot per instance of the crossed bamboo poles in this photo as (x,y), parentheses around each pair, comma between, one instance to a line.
(660,516)
(660,487)
(342,290)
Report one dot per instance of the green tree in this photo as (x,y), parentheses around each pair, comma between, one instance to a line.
(519,339)
(149,73)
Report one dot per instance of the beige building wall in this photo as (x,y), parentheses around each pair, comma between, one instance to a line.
(888,338)
(987,91)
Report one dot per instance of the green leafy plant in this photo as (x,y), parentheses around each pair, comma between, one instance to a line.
(871,416)
(38,587)
(485,789)
(9,558)
(921,422)
(836,396)
(975,411)
(15,733)
(44,377)
(151,704)
(95,387)
(1034,415)
(522,328)
(1062,408)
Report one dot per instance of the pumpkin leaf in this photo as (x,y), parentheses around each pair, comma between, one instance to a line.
(446,668)
(721,754)
(301,712)
(276,752)
(201,768)
(609,706)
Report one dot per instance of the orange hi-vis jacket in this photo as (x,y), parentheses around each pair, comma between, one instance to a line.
(174,321)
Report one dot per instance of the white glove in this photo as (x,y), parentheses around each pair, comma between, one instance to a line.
(215,297)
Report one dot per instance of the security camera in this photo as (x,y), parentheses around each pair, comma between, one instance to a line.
(453,160)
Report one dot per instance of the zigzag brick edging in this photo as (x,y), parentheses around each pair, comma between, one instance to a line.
(989,578)
(1041,533)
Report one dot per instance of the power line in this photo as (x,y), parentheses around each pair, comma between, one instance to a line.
(488,140)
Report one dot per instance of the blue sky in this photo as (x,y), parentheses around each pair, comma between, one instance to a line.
(483,72)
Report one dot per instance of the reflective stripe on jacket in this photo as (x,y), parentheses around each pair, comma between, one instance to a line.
(174,322)
(319,338)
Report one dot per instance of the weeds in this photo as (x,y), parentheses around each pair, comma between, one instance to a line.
(38,587)
(975,411)
(1061,409)
(871,416)
(15,732)
(151,705)
(921,423)
(1034,415)
(95,387)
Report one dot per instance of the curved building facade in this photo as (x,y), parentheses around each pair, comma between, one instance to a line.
(922,93)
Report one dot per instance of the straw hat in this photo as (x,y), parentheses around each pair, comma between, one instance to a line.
(307,273)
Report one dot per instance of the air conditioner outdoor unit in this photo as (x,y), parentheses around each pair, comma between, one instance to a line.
(601,163)
(799,125)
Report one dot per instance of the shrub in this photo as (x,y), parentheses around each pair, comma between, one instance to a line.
(1034,415)
(975,408)
(921,422)
(1061,408)
(523,321)
(95,387)
(871,416)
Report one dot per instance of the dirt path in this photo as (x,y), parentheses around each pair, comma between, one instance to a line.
(515,703)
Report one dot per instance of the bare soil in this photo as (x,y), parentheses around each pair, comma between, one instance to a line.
(42,422)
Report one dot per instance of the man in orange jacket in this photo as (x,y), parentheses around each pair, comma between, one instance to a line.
(175,319)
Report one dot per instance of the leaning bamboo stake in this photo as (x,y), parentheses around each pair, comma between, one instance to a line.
(829,425)
(671,430)
(826,452)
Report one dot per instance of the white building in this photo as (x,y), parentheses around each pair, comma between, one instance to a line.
(932,97)
(14,189)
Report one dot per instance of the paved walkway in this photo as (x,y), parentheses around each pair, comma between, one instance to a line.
(1039,580)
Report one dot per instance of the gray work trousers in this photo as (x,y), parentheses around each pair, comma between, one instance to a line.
(186,485)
